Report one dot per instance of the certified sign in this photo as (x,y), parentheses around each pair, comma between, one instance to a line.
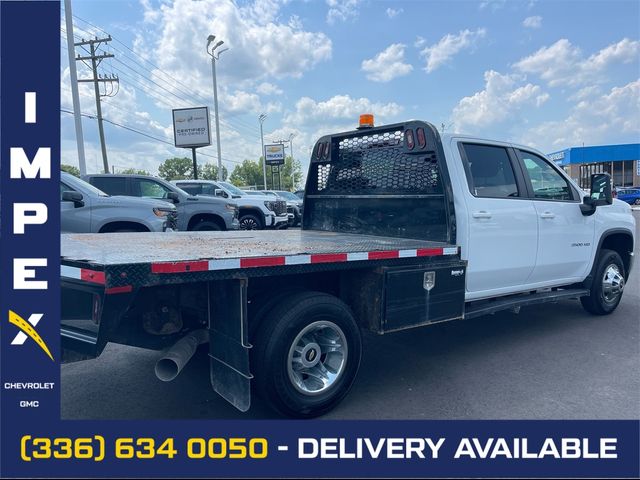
(191,127)
(274,154)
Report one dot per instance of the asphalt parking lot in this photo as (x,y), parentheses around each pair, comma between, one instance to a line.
(553,361)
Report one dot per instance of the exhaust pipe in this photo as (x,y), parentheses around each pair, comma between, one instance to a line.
(176,357)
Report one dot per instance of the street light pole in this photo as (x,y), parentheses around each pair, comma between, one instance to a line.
(215,57)
(261,119)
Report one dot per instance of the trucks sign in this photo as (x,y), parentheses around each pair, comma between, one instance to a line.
(274,154)
(191,127)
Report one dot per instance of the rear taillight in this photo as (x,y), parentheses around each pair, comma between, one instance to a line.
(408,139)
(325,152)
(422,140)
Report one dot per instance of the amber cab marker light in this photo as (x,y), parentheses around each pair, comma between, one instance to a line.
(366,121)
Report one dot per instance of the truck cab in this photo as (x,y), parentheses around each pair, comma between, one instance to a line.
(522,221)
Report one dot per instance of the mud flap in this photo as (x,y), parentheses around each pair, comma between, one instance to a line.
(228,341)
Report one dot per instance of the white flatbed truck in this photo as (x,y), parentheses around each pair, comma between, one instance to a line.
(402,228)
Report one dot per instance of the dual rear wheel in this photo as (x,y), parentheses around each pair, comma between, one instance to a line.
(306,354)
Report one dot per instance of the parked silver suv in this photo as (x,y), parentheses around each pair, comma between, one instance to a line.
(194,213)
(85,209)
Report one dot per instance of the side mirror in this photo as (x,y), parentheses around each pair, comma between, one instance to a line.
(600,193)
(173,197)
(220,193)
(75,197)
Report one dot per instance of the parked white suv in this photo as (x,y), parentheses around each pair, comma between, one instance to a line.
(256,211)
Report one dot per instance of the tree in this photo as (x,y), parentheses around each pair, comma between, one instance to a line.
(134,171)
(182,169)
(250,174)
(75,171)
(209,171)
(176,168)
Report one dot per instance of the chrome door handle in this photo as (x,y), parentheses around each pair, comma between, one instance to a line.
(548,215)
(481,214)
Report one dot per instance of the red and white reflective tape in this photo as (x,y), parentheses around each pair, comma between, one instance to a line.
(255,262)
(84,274)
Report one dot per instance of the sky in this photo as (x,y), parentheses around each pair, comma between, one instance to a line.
(549,74)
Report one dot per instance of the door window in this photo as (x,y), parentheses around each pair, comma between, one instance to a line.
(209,189)
(150,188)
(191,188)
(490,172)
(111,185)
(546,181)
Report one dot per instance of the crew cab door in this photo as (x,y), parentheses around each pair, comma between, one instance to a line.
(565,235)
(502,223)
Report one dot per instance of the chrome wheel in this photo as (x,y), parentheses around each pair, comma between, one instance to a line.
(612,283)
(249,223)
(317,357)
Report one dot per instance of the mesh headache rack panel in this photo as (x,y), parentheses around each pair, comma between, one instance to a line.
(375,164)
(369,182)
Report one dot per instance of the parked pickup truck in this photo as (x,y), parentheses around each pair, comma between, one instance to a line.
(255,213)
(194,213)
(85,209)
(402,228)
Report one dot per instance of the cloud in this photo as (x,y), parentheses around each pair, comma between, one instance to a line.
(532,22)
(608,118)
(394,12)
(342,10)
(340,107)
(440,53)
(492,4)
(502,97)
(387,65)
(266,88)
(260,45)
(564,64)
(584,93)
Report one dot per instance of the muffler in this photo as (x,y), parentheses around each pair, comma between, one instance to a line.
(176,357)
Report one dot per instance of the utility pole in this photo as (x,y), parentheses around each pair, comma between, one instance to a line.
(73,76)
(264,159)
(96,80)
(290,141)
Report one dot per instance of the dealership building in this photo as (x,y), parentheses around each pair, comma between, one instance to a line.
(622,162)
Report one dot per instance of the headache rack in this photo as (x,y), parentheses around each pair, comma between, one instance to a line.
(389,180)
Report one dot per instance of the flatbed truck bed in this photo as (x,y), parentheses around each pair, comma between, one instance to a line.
(117,287)
(145,259)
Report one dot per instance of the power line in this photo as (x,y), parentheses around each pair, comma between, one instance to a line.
(134,130)
(147,90)
(193,95)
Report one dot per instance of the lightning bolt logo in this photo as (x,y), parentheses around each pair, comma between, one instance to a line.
(27,330)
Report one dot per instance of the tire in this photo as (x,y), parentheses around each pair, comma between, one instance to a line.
(291,391)
(206,226)
(250,222)
(608,284)
(637,202)
(261,305)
